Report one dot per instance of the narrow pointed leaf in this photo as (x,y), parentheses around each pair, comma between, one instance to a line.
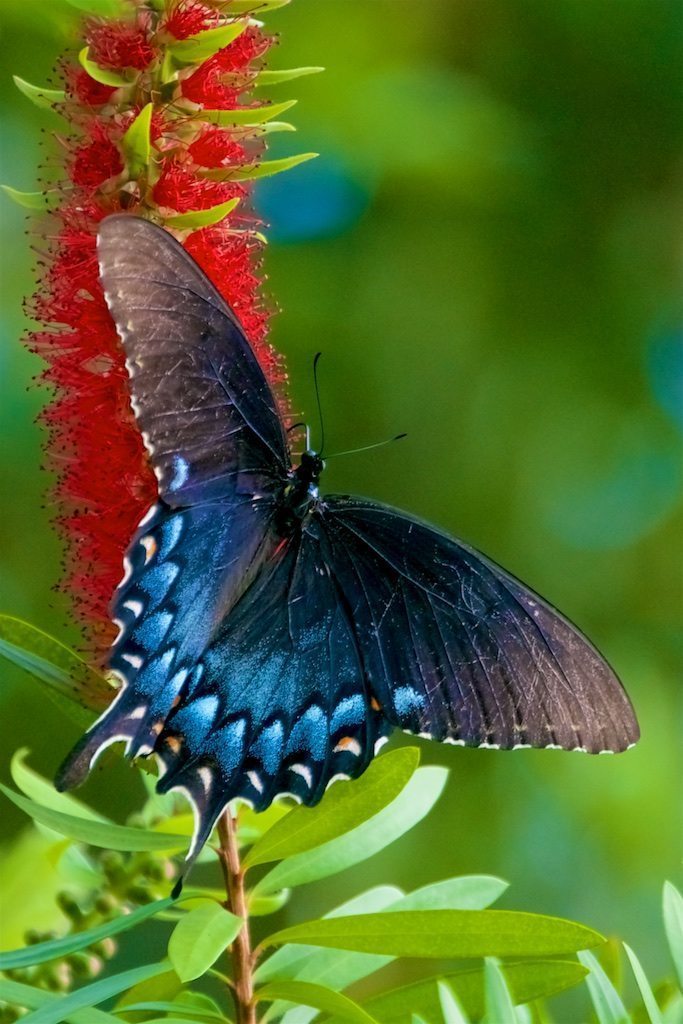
(444,933)
(266,169)
(198,48)
(338,969)
(451,1009)
(90,995)
(647,995)
(43,792)
(69,679)
(609,1009)
(202,218)
(30,998)
(307,994)
(344,807)
(275,76)
(29,200)
(500,1008)
(137,144)
(245,115)
(37,94)
(537,979)
(95,833)
(105,76)
(329,967)
(167,1006)
(259,906)
(402,814)
(59,948)
(200,937)
(673,925)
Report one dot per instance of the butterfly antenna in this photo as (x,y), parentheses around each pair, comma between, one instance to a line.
(317,398)
(367,447)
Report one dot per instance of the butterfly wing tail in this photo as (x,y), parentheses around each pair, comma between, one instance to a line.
(118,724)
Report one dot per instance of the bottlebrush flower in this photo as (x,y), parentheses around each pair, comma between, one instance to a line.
(160,124)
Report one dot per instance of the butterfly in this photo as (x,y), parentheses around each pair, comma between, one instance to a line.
(271,638)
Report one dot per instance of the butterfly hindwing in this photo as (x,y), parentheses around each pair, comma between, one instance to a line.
(283,706)
(457,649)
(206,412)
(184,570)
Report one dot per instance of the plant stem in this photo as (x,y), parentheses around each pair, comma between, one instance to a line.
(242,960)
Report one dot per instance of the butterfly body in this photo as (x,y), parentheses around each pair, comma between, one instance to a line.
(270,638)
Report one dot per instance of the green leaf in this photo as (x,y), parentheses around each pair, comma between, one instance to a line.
(306,994)
(248,116)
(200,937)
(336,969)
(607,1003)
(41,952)
(198,48)
(166,1006)
(328,967)
(137,144)
(43,792)
(69,680)
(95,833)
(260,906)
(266,169)
(451,1009)
(647,995)
(673,925)
(29,200)
(105,76)
(30,998)
(500,1008)
(90,995)
(276,76)
(43,98)
(343,809)
(527,981)
(166,986)
(402,814)
(202,218)
(444,933)
(468,892)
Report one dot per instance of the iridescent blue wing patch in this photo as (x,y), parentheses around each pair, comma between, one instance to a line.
(283,705)
(459,650)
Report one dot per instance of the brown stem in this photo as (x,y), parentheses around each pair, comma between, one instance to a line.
(242,960)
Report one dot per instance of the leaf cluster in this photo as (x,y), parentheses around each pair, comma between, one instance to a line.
(502,963)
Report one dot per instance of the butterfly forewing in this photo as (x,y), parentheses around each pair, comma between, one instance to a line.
(207,414)
(458,649)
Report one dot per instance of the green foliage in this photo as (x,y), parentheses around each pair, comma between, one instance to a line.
(200,937)
(40,96)
(196,49)
(136,142)
(105,76)
(117,877)
(202,218)
(70,682)
(346,807)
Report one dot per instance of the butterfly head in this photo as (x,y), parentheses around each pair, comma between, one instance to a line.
(308,472)
(302,489)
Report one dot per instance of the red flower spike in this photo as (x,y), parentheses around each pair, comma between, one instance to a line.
(104,480)
(188,17)
(121,44)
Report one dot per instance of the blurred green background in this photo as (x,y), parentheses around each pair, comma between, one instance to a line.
(487,252)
